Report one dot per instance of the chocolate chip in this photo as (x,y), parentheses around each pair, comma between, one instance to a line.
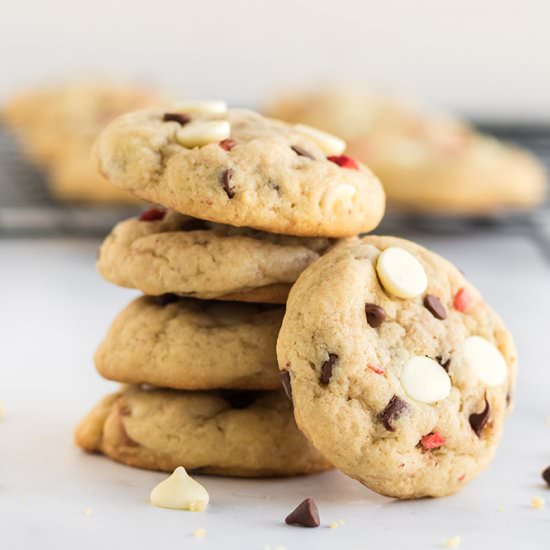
(306,514)
(375,315)
(392,411)
(194,224)
(300,151)
(445,364)
(434,306)
(176,117)
(227,144)
(152,215)
(479,420)
(546,475)
(326,368)
(165,299)
(239,399)
(226,182)
(285,381)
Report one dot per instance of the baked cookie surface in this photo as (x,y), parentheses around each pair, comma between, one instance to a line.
(172,253)
(400,373)
(263,174)
(427,162)
(192,345)
(57,126)
(244,434)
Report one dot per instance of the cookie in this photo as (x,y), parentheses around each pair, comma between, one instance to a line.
(165,252)
(427,162)
(192,345)
(57,126)
(241,169)
(244,434)
(400,374)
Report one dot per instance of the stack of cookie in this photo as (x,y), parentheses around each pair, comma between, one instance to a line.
(247,204)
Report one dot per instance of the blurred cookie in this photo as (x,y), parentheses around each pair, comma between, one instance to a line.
(165,252)
(57,127)
(192,345)
(241,169)
(426,162)
(243,434)
(399,372)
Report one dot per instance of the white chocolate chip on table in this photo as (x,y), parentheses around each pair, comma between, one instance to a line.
(180,492)
(400,273)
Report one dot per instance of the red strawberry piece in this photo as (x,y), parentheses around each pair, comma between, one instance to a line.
(152,215)
(227,144)
(432,441)
(344,161)
(462,300)
(376,368)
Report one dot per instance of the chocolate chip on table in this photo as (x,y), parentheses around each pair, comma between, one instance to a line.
(392,411)
(445,364)
(227,144)
(301,152)
(180,118)
(434,306)
(479,420)
(239,399)
(226,182)
(326,368)
(375,315)
(152,215)
(306,514)
(546,475)
(165,299)
(194,224)
(285,381)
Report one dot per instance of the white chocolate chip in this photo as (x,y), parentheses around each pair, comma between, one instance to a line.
(203,132)
(338,194)
(180,492)
(425,380)
(485,360)
(201,107)
(401,273)
(330,144)
(538,503)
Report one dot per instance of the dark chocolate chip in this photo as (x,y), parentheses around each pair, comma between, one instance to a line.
(300,151)
(152,215)
(227,144)
(392,411)
(326,368)
(546,475)
(285,381)
(180,118)
(165,299)
(226,182)
(445,364)
(194,224)
(239,399)
(375,315)
(479,420)
(434,306)
(305,514)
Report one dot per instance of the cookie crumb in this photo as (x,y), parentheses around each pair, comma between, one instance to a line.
(453,542)
(200,533)
(88,512)
(500,509)
(336,524)
(537,502)
(2,410)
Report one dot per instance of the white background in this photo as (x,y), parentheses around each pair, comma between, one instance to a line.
(488,58)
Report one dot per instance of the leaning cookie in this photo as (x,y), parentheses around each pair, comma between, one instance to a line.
(243,434)
(241,169)
(187,344)
(399,372)
(165,252)
(427,162)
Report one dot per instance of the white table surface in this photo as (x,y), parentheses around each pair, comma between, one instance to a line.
(55,309)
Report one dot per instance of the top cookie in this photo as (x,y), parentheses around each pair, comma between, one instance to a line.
(427,162)
(57,126)
(400,373)
(241,169)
